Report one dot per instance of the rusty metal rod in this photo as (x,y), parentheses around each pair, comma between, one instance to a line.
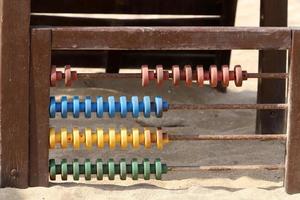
(86,76)
(225,168)
(268,75)
(227,106)
(266,137)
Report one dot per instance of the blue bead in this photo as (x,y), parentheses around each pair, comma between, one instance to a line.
(147,106)
(52,107)
(99,107)
(64,107)
(135,107)
(111,107)
(158,106)
(123,105)
(88,107)
(76,109)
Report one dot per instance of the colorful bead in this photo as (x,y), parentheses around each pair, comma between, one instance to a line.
(111,169)
(76,170)
(99,101)
(158,107)
(135,169)
(112,138)
(64,107)
(88,107)
(123,106)
(123,170)
(99,166)
(135,106)
(87,169)
(111,106)
(147,106)
(52,107)
(76,108)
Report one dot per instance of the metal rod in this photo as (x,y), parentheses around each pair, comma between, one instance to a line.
(228,106)
(225,168)
(268,75)
(85,76)
(266,137)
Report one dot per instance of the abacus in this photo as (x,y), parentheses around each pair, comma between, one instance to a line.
(42,106)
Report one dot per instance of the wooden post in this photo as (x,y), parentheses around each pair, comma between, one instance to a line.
(292,173)
(39,104)
(273,13)
(14,97)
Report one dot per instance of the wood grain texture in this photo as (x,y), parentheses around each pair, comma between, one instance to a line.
(292,173)
(169,38)
(14,97)
(273,13)
(39,106)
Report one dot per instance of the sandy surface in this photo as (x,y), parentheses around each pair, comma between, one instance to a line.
(214,185)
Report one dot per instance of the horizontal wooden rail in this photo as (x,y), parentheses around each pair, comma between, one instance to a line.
(169,38)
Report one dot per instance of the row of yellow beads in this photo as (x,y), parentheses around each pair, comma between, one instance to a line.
(112,138)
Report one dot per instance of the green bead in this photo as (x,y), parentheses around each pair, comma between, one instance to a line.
(135,169)
(87,169)
(146,169)
(111,169)
(52,169)
(75,170)
(99,169)
(123,171)
(158,169)
(64,169)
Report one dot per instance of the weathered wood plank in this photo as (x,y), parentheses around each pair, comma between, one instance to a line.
(273,13)
(128,6)
(169,38)
(292,172)
(39,104)
(14,97)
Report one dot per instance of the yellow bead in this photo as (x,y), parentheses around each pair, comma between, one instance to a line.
(135,138)
(76,138)
(52,141)
(159,139)
(112,138)
(124,141)
(100,138)
(64,138)
(88,138)
(147,135)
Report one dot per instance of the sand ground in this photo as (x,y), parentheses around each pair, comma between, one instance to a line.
(193,185)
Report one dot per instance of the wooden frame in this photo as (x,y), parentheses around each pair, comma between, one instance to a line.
(215,38)
(273,13)
(14,97)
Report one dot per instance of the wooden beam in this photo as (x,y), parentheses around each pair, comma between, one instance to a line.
(273,13)
(39,106)
(14,97)
(128,6)
(169,38)
(292,173)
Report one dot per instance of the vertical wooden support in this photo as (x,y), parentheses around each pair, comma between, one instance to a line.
(39,104)
(292,173)
(273,13)
(14,81)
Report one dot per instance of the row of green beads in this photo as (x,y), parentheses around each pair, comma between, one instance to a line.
(110,168)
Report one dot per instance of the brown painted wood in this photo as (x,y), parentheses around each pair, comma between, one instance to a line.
(128,6)
(39,104)
(169,38)
(292,172)
(273,13)
(14,97)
